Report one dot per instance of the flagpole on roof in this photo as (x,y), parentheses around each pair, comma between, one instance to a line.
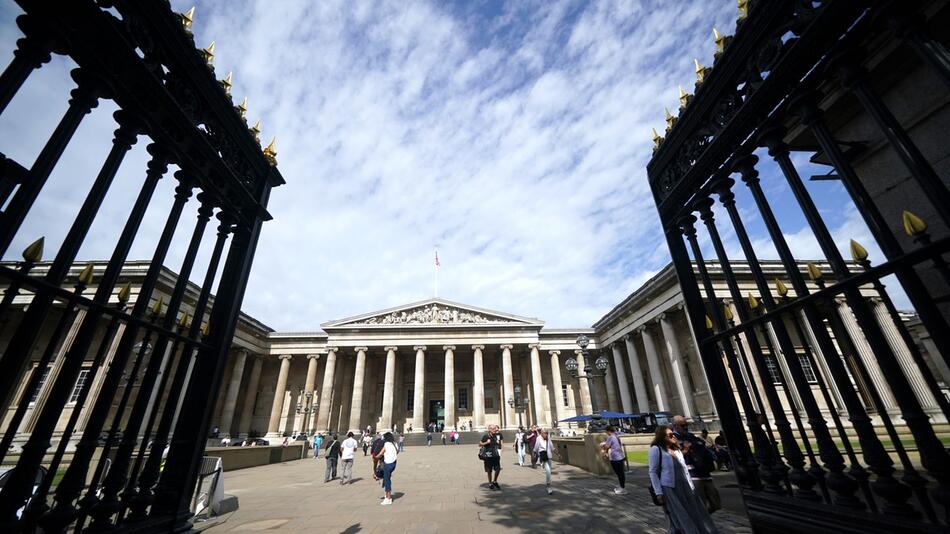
(436,286)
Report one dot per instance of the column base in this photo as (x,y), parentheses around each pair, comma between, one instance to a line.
(274,435)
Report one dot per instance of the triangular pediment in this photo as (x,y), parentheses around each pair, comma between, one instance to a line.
(433,313)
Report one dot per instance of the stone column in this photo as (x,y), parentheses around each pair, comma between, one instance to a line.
(904,357)
(867,356)
(613,403)
(326,392)
(250,395)
(478,388)
(586,407)
(389,387)
(273,427)
(356,406)
(639,385)
(679,370)
(656,375)
(536,386)
(556,378)
(625,400)
(511,420)
(234,386)
(449,385)
(308,417)
(418,388)
(54,373)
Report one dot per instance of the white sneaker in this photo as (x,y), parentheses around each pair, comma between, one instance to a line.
(550,491)
(620,491)
(386,502)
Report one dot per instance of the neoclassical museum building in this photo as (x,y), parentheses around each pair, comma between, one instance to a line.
(467,367)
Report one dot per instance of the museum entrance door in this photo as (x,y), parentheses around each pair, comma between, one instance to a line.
(437,412)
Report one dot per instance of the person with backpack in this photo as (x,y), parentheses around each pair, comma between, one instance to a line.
(700,461)
(672,487)
(333,454)
(490,453)
(374,451)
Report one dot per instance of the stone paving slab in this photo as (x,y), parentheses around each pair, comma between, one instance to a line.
(440,489)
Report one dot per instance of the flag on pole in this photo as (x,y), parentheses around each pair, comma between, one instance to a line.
(437,264)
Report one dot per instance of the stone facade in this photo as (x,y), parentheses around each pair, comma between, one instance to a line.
(459,365)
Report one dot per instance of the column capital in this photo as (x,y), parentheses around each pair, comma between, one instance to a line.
(313,356)
(419,347)
(478,347)
(661,317)
(448,347)
(642,329)
(534,345)
(629,336)
(285,356)
(509,347)
(243,351)
(331,350)
(578,352)
(554,352)
(875,300)
(360,349)
(391,348)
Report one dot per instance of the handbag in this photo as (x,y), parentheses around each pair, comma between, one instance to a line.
(543,455)
(484,453)
(653,495)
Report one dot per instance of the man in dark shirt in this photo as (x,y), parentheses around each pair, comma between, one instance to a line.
(700,461)
(333,453)
(491,444)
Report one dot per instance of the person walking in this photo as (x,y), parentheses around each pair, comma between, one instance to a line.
(519,445)
(374,450)
(333,453)
(317,439)
(428,438)
(443,437)
(670,481)
(367,439)
(544,450)
(347,454)
(700,462)
(614,453)
(529,441)
(388,455)
(490,453)
(457,438)
(402,439)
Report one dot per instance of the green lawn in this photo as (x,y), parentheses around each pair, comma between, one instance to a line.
(637,457)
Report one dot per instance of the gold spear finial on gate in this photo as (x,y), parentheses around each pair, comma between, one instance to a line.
(34,252)
(709,323)
(157,307)
(684,97)
(187,18)
(256,130)
(727,311)
(813,271)
(781,288)
(753,302)
(226,84)
(913,225)
(701,71)
(85,276)
(743,9)
(656,140)
(858,252)
(183,322)
(208,53)
(125,292)
(242,107)
(670,120)
(270,151)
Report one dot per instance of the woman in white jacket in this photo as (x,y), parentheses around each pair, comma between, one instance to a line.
(669,477)
(544,450)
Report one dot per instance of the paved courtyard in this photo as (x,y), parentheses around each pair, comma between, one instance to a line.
(440,489)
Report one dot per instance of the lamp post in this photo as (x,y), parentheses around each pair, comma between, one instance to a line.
(306,408)
(597,423)
(518,404)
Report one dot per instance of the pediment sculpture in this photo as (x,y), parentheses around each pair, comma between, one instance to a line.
(431,314)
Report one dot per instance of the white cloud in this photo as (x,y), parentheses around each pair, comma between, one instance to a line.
(515,142)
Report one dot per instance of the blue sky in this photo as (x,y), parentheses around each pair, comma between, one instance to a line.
(511,135)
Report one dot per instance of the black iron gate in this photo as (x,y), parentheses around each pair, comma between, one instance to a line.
(142,56)
(798,76)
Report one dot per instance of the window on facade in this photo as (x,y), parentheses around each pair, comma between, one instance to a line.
(489,399)
(409,401)
(80,382)
(462,403)
(808,369)
(774,372)
(39,387)
(565,396)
